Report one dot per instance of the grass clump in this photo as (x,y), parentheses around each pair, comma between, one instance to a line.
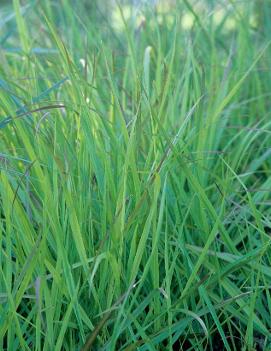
(135,176)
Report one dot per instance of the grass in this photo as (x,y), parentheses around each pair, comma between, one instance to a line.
(135,176)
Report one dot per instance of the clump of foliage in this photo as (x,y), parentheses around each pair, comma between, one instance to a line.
(135,174)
